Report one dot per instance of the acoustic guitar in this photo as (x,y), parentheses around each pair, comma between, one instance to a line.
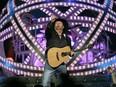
(57,56)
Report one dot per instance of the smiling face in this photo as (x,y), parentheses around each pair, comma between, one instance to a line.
(59,27)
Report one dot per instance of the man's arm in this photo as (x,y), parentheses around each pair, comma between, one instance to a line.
(49,28)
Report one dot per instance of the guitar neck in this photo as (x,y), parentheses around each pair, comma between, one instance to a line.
(68,53)
(78,50)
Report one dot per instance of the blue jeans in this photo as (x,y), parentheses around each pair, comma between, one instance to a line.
(49,72)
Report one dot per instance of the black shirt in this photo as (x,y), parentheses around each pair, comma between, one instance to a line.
(53,39)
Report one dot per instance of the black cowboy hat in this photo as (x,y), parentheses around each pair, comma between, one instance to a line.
(65,23)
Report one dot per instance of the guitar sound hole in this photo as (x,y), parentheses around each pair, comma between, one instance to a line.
(64,54)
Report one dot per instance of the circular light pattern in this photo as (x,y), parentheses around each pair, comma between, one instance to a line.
(73,15)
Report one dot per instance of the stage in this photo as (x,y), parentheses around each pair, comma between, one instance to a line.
(23,43)
(77,81)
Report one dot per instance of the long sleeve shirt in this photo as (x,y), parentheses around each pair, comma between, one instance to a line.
(53,40)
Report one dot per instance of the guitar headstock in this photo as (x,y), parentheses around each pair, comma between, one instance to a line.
(90,46)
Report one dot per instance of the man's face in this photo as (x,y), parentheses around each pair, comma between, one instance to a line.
(59,26)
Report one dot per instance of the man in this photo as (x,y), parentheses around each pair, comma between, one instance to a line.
(112,72)
(55,34)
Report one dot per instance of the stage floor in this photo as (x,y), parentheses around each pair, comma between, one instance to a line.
(77,81)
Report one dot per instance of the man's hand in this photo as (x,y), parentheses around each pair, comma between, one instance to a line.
(72,53)
(53,18)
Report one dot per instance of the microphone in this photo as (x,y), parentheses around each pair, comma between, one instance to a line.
(75,26)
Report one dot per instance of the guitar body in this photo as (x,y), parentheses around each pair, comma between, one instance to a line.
(55,57)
